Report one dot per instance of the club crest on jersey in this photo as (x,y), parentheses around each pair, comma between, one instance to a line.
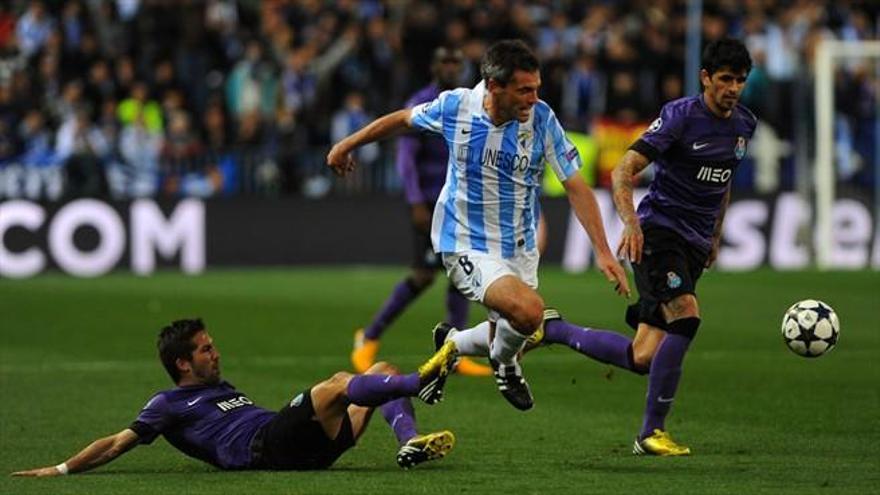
(740,149)
(673,281)
(523,138)
(656,125)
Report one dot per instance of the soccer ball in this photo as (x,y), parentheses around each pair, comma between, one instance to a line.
(810,328)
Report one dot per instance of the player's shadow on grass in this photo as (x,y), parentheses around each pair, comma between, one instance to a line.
(649,466)
(383,469)
(149,471)
(254,472)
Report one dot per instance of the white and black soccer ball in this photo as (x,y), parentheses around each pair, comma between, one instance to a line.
(810,328)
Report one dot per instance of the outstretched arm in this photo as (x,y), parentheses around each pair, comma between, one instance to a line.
(98,453)
(586,208)
(340,160)
(632,240)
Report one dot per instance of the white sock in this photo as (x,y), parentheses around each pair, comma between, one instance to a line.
(472,341)
(508,342)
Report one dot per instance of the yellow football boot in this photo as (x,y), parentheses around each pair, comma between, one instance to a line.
(433,374)
(423,448)
(660,443)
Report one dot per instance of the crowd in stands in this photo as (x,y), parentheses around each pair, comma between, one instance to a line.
(132,98)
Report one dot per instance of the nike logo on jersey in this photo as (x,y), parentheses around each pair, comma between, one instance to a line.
(190,403)
(699,146)
(465,131)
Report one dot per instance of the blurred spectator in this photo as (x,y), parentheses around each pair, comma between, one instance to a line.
(139,104)
(558,39)
(37,172)
(111,32)
(216,128)
(81,146)
(580,96)
(137,175)
(183,162)
(99,85)
(127,9)
(72,25)
(298,86)
(125,76)
(349,119)
(74,64)
(291,140)
(252,84)
(33,28)
(7,26)
(71,98)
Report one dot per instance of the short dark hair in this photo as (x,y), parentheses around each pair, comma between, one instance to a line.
(505,57)
(726,52)
(175,342)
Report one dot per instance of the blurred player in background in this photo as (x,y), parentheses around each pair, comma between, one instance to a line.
(205,417)
(421,161)
(499,134)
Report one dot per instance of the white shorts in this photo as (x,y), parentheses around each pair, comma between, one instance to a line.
(472,272)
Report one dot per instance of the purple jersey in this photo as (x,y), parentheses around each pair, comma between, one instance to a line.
(695,153)
(214,423)
(422,158)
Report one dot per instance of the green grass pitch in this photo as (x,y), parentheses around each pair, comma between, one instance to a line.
(77,361)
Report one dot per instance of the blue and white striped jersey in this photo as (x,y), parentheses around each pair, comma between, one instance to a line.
(490,200)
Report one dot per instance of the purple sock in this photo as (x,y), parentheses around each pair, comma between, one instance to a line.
(374,390)
(457,307)
(403,294)
(601,345)
(663,381)
(400,416)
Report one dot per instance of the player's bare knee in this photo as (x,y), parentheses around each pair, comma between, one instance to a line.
(528,314)
(535,310)
(336,385)
(331,394)
(683,306)
(383,368)
(642,357)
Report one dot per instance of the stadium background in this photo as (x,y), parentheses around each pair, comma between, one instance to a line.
(190,136)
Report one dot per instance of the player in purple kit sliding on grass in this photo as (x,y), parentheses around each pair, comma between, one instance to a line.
(421,162)
(205,417)
(695,145)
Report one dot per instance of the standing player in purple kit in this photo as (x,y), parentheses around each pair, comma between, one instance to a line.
(695,144)
(208,419)
(421,162)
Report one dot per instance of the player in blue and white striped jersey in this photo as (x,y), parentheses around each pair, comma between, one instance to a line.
(498,134)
